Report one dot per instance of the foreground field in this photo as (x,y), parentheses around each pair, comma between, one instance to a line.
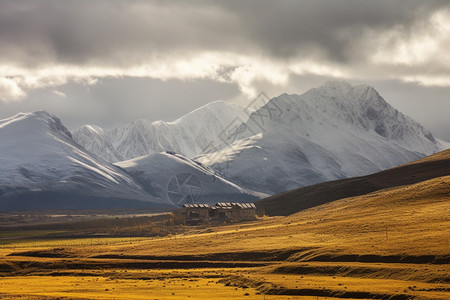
(391,244)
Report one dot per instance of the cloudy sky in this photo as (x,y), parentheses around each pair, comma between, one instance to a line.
(111,62)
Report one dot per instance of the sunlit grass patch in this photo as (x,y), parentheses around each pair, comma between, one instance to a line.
(39,243)
(106,288)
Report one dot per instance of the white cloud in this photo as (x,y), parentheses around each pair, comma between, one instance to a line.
(442,81)
(9,90)
(226,42)
(419,54)
(243,70)
(58,93)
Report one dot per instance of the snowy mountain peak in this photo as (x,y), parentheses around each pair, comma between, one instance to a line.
(334,131)
(343,88)
(96,140)
(42,167)
(36,122)
(344,94)
(215,108)
(335,84)
(92,131)
(340,92)
(40,114)
(189,135)
(341,105)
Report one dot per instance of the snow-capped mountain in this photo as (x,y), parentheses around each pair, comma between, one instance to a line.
(331,132)
(96,140)
(177,179)
(41,167)
(189,135)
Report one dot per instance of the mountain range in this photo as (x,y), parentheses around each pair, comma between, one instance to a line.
(332,132)
(42,167)
(218,152)
(189,135)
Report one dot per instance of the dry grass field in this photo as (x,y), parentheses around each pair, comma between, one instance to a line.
(390,244)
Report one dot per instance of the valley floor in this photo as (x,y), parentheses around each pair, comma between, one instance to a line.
(391,244)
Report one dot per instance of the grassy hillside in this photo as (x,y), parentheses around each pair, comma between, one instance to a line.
(382,223)
(303,198)
(389,244)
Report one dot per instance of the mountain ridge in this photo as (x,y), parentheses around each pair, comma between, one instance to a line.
(40,160)
(180,180)
(331,132)
(335,131)
(186,135)
(42,167)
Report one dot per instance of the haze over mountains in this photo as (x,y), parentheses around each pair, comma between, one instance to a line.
(335,131)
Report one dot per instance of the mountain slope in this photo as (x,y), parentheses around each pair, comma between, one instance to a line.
(335,131)
(176,179)
(189,135)
(96,140)
(290,202)
(41,167)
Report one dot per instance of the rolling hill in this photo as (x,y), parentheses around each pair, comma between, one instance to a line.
(388,244)
(293,201)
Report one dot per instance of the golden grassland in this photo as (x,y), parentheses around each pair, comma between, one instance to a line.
(390,244)
(107,288)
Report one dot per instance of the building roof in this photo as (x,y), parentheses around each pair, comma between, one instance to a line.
(222,205)
(234,204)
(196,206)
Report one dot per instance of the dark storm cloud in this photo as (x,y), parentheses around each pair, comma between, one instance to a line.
(124,32)
(110,61)
(334,27)
(114,32)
